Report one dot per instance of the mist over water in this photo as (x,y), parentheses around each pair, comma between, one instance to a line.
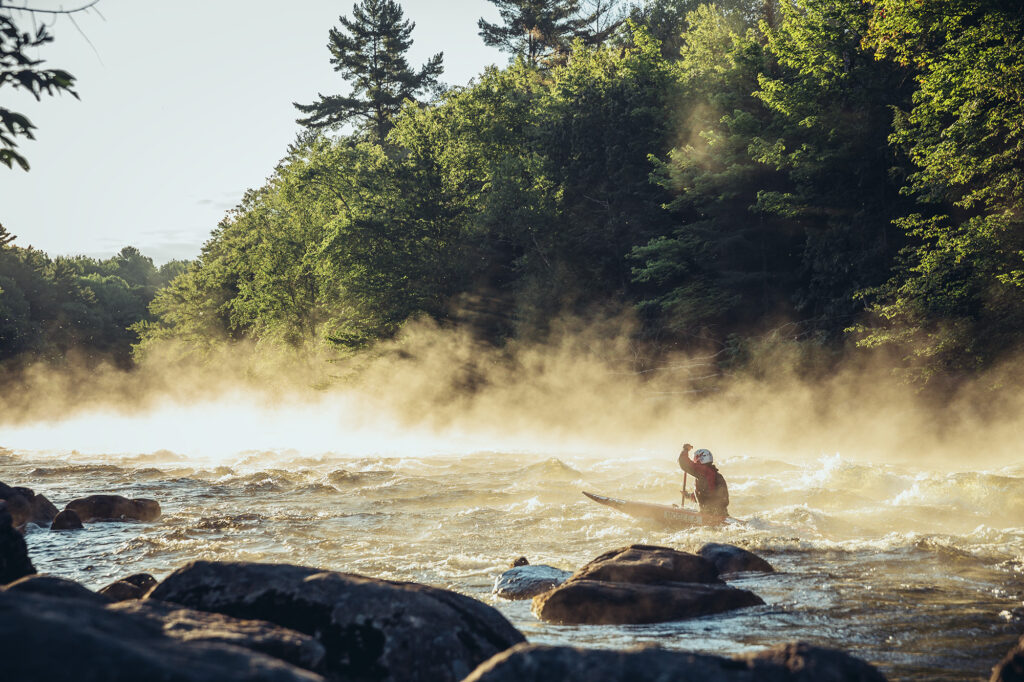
(897,530)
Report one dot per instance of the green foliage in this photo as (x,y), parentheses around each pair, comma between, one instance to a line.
(833,103)
(954,302)
(369,52)
(50,307)
(18,70)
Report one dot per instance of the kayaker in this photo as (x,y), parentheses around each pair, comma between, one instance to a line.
(711,492)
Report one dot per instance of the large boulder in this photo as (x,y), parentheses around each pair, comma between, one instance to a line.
(371,629)
(1011,668)
(70,640)
(192,626)
(526,581)
(14,561)
(648,564)
(795,662)
(25,506)
(733,559)
(593,602)
(53,586)
(114,508)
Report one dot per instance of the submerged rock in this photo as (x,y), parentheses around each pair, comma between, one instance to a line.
(1011,668)
(526,581)
(14,561)
(594,602)
(371,629)
(648,564)
(66,520)
(733,559)
(70,640)
(114,508)
(796,662)
(53,586)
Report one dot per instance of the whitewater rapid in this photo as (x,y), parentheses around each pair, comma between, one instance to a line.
(919,571)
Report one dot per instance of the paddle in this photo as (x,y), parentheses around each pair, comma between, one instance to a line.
(683,491)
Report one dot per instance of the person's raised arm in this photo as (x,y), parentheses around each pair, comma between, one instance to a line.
(684,460)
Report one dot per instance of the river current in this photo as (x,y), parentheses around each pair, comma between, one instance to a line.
(919,571)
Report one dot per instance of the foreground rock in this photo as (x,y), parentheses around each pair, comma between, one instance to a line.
(133,587)
(371,629)
(733,559)
(795,662)
(53,586)
(526,581)
(648,564)
(191,626)
(14,561)
(593,602)
(66,520)
(1011,668)
(114,508)
(70,640)
(26,507)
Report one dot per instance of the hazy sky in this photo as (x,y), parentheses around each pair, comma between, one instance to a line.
(185,105)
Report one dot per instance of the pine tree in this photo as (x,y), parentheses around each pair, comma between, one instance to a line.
(5,237)
(535,28)
(369,50)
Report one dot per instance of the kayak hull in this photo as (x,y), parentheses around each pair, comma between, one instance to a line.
(663,514)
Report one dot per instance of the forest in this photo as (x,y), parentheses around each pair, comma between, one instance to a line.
(842,175)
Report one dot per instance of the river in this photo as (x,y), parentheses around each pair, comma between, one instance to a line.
(919,571)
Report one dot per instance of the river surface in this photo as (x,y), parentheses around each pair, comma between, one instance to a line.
(920,572)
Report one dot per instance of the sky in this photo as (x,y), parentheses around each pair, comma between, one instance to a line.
(185,105)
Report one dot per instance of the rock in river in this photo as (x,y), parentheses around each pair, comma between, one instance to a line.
(733,559)
(526,581)
(648,564)
(371,629)
(1011,668)
(66,520)
(14,561)
(25,506)
(593,602)
(133,587)
(114,508)
(641,584)
(795,662)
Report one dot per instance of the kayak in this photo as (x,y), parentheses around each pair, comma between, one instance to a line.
(667,515)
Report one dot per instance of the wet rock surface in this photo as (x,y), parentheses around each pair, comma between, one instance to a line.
(733,559)
(648,564)
(114,508)
(370,629)
(593,602)
(795,662)
(528,581)
(14,561)
(70,640)
(25,506)
(1011,668)
(54,586)
(192,626)
(67,520)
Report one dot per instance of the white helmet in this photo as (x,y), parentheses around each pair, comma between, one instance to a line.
(703,456)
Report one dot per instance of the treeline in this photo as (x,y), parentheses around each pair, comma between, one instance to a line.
(51,308)
(851,170)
